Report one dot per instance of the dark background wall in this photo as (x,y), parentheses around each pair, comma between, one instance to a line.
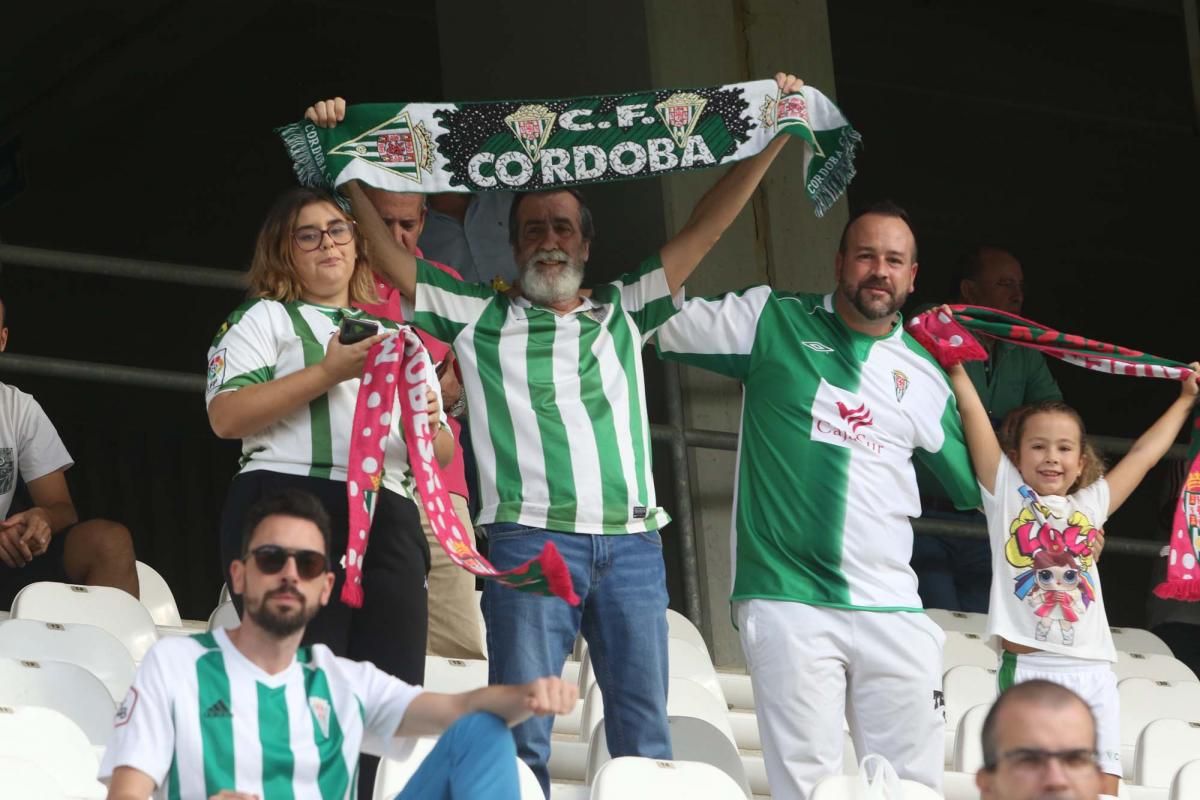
(1061,130)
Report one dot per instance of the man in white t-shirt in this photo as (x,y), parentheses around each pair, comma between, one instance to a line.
(45,541)
(246,712)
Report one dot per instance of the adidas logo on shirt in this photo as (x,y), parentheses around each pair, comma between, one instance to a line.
(218,709)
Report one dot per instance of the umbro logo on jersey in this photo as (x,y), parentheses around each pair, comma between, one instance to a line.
(218,709)
(818,347)
(855,417)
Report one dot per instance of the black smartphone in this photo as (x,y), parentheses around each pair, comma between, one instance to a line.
(355,330)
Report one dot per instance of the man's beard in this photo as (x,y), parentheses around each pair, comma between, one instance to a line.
(281,625)
(871,306)
(549,286)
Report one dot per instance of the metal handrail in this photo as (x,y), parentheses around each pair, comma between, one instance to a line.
(677,437)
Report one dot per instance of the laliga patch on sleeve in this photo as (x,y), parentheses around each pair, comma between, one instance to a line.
(216,369)
(125,712)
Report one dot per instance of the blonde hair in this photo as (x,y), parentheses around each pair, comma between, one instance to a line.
(1092,467)
(273,274)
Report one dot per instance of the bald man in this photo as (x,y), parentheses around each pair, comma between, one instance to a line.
(1039,741)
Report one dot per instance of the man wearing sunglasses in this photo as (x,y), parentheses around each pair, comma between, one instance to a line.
(247,713)
(1039,741)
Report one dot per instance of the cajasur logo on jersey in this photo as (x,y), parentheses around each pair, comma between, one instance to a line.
(843,419)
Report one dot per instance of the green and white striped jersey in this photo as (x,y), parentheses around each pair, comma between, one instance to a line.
(265,339)
(557,403)
(831,419)
(201,717)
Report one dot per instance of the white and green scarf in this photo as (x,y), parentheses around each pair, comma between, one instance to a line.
(536,145)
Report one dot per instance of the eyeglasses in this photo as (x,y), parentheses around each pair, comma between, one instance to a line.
(271,559)
(310,237)
(1032,759)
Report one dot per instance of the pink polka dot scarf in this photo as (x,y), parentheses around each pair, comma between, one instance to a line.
(949,341)
(386,373)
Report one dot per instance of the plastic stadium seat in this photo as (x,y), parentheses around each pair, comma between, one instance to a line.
(692,739)
(738,689)
(1142,702)
(224,616)
(50,740)
(964,688)
(1152,665)
(224,596)
(967,648)
(968,747)
(115,611)
(20,778)
(632,778)
(959,786)
(87,646)
(680,627)
(393,773)
(962,621)
(1164,746)
(452,675)
(685,698)
(1137,640)
(66,688)
(845,787)
(156,596)
(1186,784)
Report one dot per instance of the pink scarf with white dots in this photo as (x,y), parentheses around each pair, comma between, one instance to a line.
(386,373)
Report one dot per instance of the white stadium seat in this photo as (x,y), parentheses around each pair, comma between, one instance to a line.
(1137,640)
(1163,747)
(631,778)
(967,648)
(845,787)
(965,687)
(224,616)
(93,648)
(115,611)
(1186,785)
(684,660)
(453,675)
(692,739)
(50,740)
(1142,702)
(1152,665)
(156,596)
(66,688)
(963,621)
(680,627)
(393,773)
(25,779)
(959,786)
(685,698)
(968,747)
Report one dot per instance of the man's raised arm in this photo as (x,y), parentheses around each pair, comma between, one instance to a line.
(387,258)
(720,205)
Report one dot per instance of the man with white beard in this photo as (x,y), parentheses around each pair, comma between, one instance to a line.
(554,379)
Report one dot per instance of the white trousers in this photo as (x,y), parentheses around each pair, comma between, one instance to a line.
(811,667)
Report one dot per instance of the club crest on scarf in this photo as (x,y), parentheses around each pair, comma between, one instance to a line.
(395,145)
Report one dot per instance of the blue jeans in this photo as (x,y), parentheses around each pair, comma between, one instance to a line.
(474,758)
(621,582)
(952,572)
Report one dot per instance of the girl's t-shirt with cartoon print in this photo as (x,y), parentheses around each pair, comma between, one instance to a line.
(1045,583)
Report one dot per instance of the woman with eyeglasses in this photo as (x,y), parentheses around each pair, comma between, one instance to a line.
(281,380)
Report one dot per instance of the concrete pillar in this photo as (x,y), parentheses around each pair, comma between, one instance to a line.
(777,240)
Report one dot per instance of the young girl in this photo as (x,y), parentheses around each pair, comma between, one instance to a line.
(1046,500)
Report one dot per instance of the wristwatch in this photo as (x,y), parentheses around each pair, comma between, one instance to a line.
(459,408)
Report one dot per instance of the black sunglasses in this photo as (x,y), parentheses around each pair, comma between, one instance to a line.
(271,558)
